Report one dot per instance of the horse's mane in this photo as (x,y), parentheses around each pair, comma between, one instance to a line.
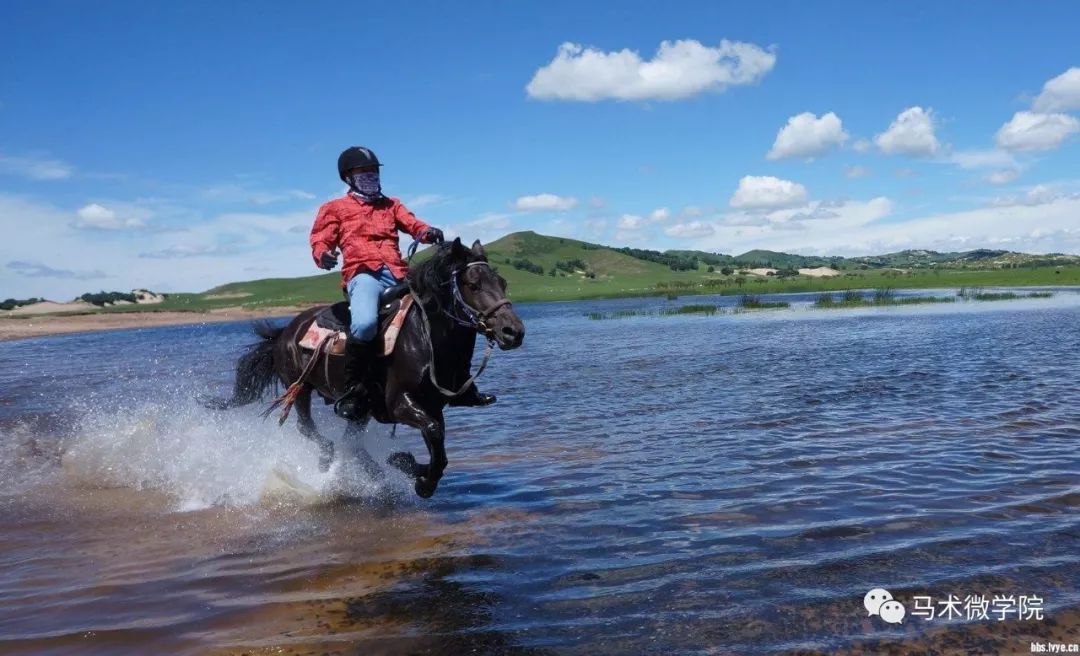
(428,279)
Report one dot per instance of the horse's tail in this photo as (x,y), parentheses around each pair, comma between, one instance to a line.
(254,370)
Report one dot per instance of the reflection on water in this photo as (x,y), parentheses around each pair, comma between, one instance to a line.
(728,484)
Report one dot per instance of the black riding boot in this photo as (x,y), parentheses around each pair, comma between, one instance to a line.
(354,404)
(472,397)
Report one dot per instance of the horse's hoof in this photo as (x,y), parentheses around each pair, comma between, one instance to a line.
(406,462)
(424,488)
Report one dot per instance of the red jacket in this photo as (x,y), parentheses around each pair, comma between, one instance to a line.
(367,234)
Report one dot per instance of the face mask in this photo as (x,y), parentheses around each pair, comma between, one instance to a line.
(366,185)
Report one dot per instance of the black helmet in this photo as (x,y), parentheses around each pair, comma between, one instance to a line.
(354,157)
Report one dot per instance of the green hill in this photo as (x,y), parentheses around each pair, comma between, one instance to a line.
(542,268)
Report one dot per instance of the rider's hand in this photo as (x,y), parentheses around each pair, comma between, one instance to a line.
(328,260)
(432,236)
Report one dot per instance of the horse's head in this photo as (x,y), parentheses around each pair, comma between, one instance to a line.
(483,292)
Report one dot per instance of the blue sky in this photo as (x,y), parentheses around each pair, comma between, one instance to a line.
(178,146)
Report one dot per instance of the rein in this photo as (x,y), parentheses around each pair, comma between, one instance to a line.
(475,320)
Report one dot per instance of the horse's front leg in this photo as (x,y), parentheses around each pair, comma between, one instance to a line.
(308,429)
(430,425)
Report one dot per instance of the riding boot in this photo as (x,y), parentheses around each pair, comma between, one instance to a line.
(354,404)
(472,397)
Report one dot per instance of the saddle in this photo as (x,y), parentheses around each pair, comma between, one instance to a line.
(330,329)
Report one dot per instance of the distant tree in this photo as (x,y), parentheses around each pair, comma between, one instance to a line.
(727,271)
(711,269)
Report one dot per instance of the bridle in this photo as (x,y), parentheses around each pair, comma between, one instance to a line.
(474,319)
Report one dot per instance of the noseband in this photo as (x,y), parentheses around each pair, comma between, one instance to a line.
(475,319)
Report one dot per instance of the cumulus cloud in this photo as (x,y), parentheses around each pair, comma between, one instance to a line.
(545,203)
(767,192)
(34,168)
(806,135)
(1061,94)
(38,270)
(680,69)
(856,171)
(660,215)
(912,134)
(1033,131)
(690,229)
(630,222)
(99,217)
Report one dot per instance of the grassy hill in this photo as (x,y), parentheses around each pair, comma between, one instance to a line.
(583,270)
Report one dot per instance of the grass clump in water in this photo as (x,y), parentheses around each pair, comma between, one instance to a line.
(707,310)
(750,302)
(978,294)
(882,297)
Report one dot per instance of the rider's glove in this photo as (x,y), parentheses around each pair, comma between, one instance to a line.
(432,236)
(328,260)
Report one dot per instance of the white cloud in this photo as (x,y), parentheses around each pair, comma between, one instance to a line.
(688,230)
(1038,195)
(982,159)
(223,246)
(861,146)
(857,228)
(99,217)
(856,171)
(630,222)
(39,270)
(1004,176)
(35,168)
(806,135)
(912,134)
(238,193)
(1033,131)
(767,192)
(1060,94)
(660,215)
(545,203)
(680,69)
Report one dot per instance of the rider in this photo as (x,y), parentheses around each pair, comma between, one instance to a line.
(364,224)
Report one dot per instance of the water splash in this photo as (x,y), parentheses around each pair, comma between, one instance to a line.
(199,458)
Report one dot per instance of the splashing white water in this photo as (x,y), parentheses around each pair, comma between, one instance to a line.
(204,458)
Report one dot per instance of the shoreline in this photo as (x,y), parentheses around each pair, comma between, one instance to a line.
(48,325)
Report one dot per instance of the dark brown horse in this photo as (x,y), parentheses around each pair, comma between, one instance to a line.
(456,296)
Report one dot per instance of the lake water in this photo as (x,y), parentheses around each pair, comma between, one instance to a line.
(725,484)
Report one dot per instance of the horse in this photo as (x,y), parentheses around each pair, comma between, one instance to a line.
(456,295)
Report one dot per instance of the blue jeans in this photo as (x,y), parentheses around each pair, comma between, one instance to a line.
(364,290)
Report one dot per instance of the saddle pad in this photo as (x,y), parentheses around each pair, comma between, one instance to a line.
(390,329)
(316,334)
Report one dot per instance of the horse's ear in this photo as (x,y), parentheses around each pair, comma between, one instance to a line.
(478,249)
(457,250)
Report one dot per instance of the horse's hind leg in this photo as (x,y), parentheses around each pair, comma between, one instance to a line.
(354,433)
(307,428)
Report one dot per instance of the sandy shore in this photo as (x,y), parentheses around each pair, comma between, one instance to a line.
(42,325)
